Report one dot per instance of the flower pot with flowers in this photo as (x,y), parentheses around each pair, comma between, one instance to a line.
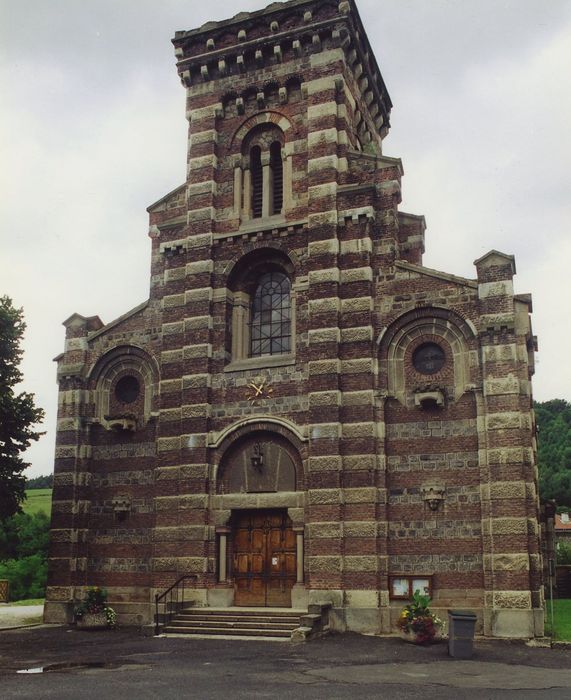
(417,624)
(93,612)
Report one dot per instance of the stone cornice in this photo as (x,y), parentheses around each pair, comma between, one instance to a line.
(108,326)
(419,269)
(344,29)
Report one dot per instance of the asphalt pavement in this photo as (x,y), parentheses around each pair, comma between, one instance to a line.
(61,662)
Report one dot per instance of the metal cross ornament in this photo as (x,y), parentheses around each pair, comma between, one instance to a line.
(259,389)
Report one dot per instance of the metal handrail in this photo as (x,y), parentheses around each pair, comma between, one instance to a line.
(173,593)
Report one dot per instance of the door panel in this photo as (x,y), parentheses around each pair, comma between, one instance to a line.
(264,558)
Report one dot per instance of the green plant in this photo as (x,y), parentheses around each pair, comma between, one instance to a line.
(18,412)
(96,602)
(563,551)
(562,619)
(27,576)
(417,619)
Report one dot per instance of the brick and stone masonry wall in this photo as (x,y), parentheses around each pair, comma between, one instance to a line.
(135,509)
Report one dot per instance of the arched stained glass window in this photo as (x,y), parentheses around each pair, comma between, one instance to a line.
(270,320)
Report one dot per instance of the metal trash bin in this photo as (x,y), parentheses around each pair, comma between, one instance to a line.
(461,629)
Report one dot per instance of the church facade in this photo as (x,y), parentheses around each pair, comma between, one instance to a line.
(301,412)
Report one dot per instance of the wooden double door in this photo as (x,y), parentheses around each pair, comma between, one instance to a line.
(264,558)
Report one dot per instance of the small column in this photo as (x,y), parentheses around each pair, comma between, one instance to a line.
(299,555)
(287,183)
(247,193)
(237,191)
(222,549)
(266,186)
(240,320)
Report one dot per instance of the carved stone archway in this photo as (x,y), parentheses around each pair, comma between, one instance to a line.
(259,474)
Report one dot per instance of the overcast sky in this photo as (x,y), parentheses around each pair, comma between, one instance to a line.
(92,131)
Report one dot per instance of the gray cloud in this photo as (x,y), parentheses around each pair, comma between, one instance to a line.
(92,131)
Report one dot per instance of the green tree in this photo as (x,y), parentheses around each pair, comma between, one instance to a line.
(27,576)
(45,481)
(554,450)
(18,412)
(23,554)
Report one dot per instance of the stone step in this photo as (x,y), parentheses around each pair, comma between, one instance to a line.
(231,624)
(226,631)
(258,619)
(243,613)
(254,623)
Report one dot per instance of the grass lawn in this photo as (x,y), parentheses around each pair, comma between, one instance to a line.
(37,500)
(562,615)
(30,601)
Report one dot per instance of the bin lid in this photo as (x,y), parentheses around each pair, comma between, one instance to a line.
(463,614)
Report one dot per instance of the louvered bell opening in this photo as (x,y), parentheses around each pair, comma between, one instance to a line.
(257,181)
(276,165)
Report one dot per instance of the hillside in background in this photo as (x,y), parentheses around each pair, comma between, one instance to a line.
(38,500)
(554,450)
(40,482)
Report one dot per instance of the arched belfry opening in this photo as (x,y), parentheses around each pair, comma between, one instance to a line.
(262,180)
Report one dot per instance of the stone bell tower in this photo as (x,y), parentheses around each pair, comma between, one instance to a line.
(287,111)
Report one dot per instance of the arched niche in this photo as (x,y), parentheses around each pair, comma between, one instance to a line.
(125,382)
(399,344)
(261,461)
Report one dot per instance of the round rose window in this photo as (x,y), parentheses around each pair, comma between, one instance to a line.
(428,358)
(127,389)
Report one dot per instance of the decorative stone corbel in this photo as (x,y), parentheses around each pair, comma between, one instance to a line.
(126,422)
(433,495)
(426,399)
(121,506)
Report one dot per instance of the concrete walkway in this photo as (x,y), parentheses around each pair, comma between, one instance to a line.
(18,615)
